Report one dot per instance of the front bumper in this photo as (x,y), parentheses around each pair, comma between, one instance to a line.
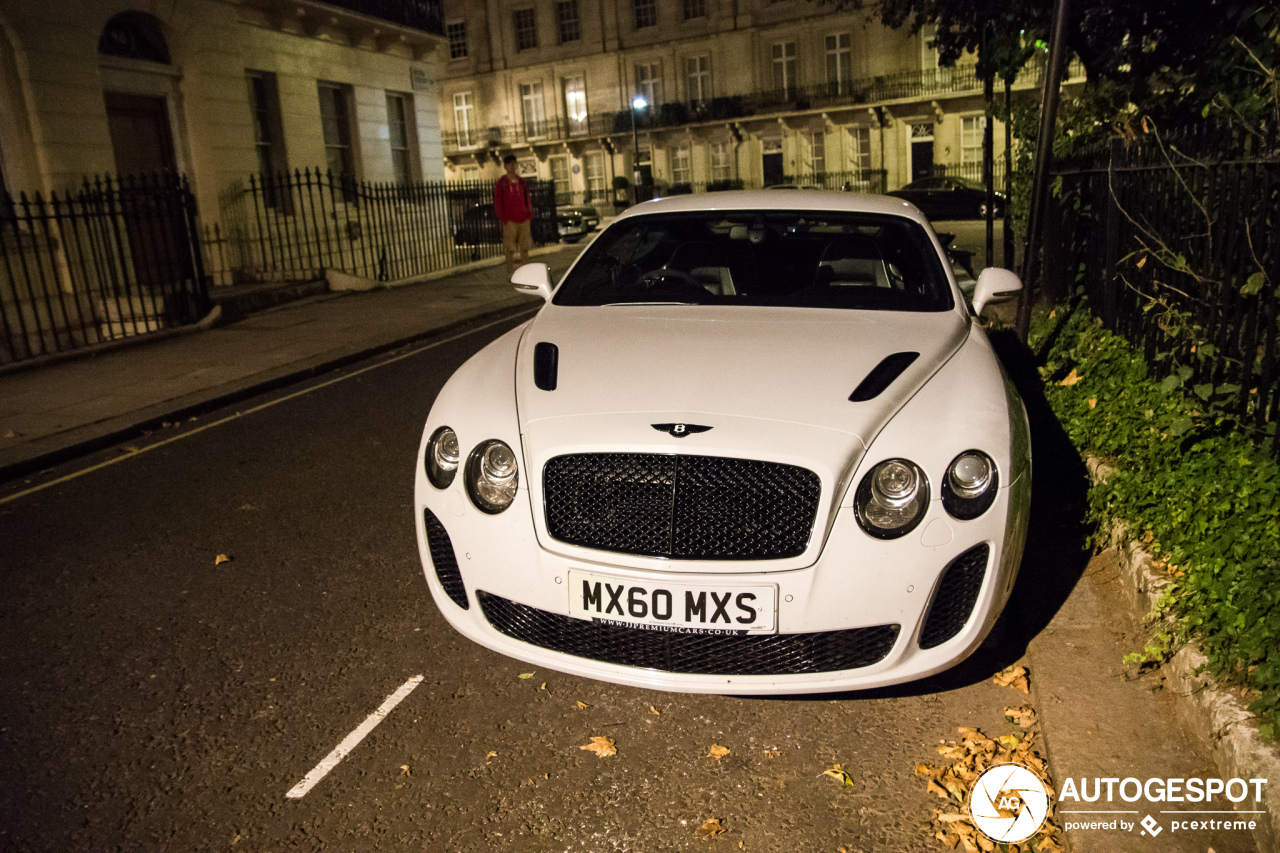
(869,608)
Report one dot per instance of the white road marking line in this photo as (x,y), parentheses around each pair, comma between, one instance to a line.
(352,740)
(187,434)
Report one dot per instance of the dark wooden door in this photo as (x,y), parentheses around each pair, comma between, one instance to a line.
(140,136)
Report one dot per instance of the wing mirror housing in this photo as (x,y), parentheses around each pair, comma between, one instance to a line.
(533,279)
(994,285)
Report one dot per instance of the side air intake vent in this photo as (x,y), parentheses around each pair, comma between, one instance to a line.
(882,376)
(546,364)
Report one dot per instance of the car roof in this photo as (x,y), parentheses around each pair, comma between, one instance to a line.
(843,202)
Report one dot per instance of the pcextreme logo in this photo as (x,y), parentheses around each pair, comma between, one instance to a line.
(1009,803)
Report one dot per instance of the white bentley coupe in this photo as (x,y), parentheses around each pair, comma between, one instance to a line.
(753,443)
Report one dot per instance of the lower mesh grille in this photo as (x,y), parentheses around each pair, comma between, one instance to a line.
(953,600)
(444,561)
(694,654)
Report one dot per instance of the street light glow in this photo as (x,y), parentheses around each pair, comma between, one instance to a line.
(639,103)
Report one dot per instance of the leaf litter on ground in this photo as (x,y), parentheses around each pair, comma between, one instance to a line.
(1016,677)
(602,746)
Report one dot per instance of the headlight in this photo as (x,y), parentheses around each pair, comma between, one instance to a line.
(441,458)
(491,476)
(891,499)
(969,488)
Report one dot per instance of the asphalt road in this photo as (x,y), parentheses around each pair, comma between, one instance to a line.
(158,699)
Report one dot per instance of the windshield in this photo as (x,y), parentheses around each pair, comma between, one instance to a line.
(799,259)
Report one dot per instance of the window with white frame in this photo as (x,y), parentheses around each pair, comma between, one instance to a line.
(568,21)
(860,155)
(818,152)
(839,62)
(464,119)
(560,177)
(680,171)
(721,166)
(698,72)
(403,137)
(470,173)
(784,66)
(971,131)
(646,13)
(457,35)
(526,27)
(532,110)
(649,82)
(593,171)
(335,120)
(575,103)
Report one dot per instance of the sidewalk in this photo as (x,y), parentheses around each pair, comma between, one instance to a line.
(59,411)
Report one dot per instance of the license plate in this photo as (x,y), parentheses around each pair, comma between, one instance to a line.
(675,607)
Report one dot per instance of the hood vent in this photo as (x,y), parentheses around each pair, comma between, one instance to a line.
(546,364)
(881,376)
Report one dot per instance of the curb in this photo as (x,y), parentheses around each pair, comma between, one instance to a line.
(131,425)
(1203,705)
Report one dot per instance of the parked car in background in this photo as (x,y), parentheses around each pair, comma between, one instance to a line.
(577,221)
(478,226)
(942,198)
(754,442)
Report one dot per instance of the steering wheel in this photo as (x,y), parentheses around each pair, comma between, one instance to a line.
(653,277)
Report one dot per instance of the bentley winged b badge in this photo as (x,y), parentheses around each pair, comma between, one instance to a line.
(680,430)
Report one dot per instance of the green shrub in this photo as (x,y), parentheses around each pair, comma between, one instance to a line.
(1204,498)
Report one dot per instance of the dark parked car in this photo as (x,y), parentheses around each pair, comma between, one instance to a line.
(949,198)
(479,225)
(571,216)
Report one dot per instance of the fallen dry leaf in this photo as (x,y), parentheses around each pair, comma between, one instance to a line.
(717,752)
(655,711)
(1015,677)
(582,706)
(1093,403)
(602,746)
(839,774)
(710,828)
(404,770)
(1024,716)
(1072,378)
(220,559)
(525,675)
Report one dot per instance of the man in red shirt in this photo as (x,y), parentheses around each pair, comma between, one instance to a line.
(515,211)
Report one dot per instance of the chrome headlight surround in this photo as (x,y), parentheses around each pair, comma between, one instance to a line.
(442,457)
(892,499)
(491,476)
(970,485)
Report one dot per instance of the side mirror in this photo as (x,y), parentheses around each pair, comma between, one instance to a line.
(994,284)
(533,279)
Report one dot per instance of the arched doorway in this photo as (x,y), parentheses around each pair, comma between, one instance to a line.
(141,135)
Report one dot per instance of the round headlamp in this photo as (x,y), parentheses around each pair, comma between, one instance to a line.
(969,488)
(891,499)
(492,476)
(442,457)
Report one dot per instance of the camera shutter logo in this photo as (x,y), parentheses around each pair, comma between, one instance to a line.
(1009,803)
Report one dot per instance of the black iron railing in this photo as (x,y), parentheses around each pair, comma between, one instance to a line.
(425,15)
(112,259)
(1183,258)
(293,226)
(906,85)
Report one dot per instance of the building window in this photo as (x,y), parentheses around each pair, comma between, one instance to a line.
(593,169)
(839,63)
(457,35)
(698,70)
(646,13)
(861,138)
(531,109)
(335,118)
(818,152)
(134,35)
(721,167)
(464,119)
(784,67)
(649,83)
(470,173)
(560,177)
(575,104)
(268,135)
(526,25)
(568,21)
(971,131)
(680,173)
(695,9)
(403,137)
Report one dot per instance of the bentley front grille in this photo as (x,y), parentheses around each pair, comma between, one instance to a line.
(690,654)
(953,600)
(685,507)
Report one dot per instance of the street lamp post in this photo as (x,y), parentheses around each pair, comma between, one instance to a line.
(638,103)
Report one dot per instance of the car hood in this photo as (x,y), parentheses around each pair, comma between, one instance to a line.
(693,363)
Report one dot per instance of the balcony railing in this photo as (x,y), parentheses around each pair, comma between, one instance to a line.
(425,15)
(929,83)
